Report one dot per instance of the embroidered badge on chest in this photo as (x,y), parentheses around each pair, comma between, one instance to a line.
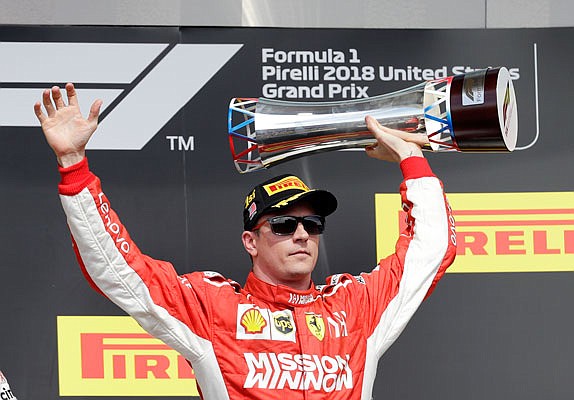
(316,325)
(283,323)
(254,323)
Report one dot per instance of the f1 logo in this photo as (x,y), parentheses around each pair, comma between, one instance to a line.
(143,85)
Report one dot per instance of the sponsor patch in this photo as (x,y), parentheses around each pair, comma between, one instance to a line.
(254,323)
(249,198)
(316,325)
(252,209)
(473,88)
(283,323)
(279,371)
(298,299)
(335,279)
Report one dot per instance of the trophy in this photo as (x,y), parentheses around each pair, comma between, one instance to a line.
(471,112)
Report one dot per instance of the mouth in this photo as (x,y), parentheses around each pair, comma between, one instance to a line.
(301,252)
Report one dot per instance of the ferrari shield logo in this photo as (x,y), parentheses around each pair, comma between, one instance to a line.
(316,325)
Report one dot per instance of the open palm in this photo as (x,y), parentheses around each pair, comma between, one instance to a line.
(64,127)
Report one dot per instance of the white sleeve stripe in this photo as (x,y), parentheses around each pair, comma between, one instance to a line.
(109,270)
(423,257)
(422,261)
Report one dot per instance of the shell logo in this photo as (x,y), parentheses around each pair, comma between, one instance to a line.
(253,321)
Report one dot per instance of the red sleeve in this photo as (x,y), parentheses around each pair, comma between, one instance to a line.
(75,177)
(415,167)
(149,290)
(393,291)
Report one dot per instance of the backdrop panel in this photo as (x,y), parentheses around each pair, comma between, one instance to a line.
(162,153)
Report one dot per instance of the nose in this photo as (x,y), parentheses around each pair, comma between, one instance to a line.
(300,233)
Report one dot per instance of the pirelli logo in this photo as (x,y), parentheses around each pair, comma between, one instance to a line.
(290,182)
(497,232)
(113,356)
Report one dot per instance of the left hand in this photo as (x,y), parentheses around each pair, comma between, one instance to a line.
(393,145)
(64,127)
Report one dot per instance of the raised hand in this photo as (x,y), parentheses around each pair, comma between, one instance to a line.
(65,129)
(393,145)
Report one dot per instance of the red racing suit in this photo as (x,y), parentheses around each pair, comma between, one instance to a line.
(264,341)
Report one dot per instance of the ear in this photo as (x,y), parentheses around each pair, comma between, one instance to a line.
(250,242)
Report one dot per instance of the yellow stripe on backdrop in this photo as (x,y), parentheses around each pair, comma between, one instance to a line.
(114,356)
(497,232)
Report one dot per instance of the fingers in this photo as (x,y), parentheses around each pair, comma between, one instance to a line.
(384,135)
(73,101)
(71,93)
(47,101)
(391,143)
(38,111)
(417,138)
(52,100)
(57,97)
(372,124)
(382,150)
(95,111)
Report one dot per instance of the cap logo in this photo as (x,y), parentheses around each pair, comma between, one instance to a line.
(249,198)
(288,183)
(252,209)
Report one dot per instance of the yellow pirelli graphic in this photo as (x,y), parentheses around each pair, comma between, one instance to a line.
(497,232)
(290,182)
(114,356)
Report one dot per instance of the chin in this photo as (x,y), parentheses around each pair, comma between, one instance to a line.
(299,272)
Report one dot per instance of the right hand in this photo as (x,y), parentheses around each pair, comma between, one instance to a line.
(393,145)
(66,131)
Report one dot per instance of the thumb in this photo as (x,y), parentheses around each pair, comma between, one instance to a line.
(95,111)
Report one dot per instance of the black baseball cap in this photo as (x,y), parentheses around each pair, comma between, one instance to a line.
(280,192)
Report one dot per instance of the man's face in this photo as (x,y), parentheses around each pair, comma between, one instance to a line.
(287,260)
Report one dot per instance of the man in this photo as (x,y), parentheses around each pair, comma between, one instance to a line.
(280,336)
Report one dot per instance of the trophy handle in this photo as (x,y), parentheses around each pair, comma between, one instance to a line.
(243,133)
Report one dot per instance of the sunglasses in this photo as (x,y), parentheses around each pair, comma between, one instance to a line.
(284,225)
